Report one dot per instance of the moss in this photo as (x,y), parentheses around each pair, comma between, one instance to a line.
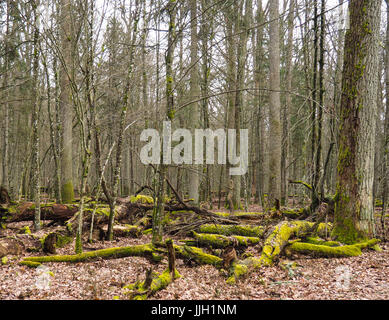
(25,230)
(144,250)
(242,230)
(220,241)
(346,232)
(293,214)
(197,255)
(137,291)
(237,271)
(31,264)
(319,241)
(326,251)
(321,229)
(279,238)
(63,240)
(4,260)
(67,192)
(140,198)
(147,231)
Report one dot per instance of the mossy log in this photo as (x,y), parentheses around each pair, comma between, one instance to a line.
(220,241)
(315,250)
(144,250)
(273,247)
(198,255)
(54,240)
(140,291)
(279,237)
(49,211)
(228,230)
(127,231)
(320,241)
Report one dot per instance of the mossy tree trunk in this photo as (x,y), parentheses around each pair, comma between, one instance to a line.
(354,207)
(158,212)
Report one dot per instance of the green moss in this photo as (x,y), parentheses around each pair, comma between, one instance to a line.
(237,271)
(140,198)
(137,291)
(242,230)
(220,241)
(147,231)
(279,238)
(319,241)
(25,230)
(4,260)
(326,251)
(321,229)
(31,264)
(144,250)
(63,240)
(67,192)
(197,255)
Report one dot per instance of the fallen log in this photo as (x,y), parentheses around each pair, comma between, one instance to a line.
(220,241)
(189,253)
(227,230)
(145,250)
(49,211)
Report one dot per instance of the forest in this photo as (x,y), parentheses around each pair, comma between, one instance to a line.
(194,149)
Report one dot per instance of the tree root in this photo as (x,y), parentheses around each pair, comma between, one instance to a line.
(315,250)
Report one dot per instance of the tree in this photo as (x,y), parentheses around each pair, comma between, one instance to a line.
(194,179)
(354,207)
(275,106)
(66,70)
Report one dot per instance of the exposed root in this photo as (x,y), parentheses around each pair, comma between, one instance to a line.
(328,251)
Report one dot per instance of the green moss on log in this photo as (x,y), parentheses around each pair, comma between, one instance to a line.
(320,241)
(140,198)
(220,241)
(279,238)
(197,255)
(138,291)
(227,230)
(144,250)
(30,264)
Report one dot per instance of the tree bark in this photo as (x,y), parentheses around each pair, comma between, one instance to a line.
(354,208)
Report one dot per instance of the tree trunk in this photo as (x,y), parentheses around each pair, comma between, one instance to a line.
(275,107)
(354,208)
(66,65)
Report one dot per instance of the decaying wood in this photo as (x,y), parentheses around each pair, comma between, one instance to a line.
(4,196)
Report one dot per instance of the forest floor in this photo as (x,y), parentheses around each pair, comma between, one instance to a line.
(313,278)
